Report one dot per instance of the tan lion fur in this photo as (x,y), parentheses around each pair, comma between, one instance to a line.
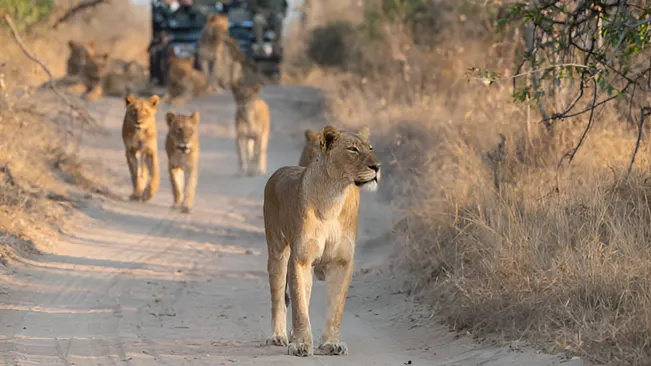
(182,147)
(311,148)
(252,124)
(211,48)
(93,74)
(79,53)
(124,78)
(311,219)
(140,139)
(183,81)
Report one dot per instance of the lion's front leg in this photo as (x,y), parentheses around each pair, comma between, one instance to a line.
(338,279)
(177,178)
(132,163)
(300,276)
(191,186)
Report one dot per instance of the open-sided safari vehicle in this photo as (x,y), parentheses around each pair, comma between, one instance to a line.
(180,31)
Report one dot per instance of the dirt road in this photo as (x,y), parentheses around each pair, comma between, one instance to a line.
(138,284)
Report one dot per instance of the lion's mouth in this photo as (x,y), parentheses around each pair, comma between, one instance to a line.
(369,184)
(184,148)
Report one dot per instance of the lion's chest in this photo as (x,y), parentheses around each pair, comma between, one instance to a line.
(137,140)
(179,159)
(335,243)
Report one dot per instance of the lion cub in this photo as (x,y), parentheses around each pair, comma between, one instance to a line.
(92,76)
(140,142)
(310,219)
(252,127)
(79,53)
(183,81)
(211,47)
(182,147)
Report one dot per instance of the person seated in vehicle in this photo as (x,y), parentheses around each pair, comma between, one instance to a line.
(268,13)
(161,13)
(189,13)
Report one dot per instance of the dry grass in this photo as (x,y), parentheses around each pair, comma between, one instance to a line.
(500,241)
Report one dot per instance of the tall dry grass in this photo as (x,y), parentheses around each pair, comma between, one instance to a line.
(495,236)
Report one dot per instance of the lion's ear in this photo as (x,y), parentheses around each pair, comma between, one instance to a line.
(154,100)
(169,118)
(71,43)
(329,135)
(129,99)
(195,117)
(310,134)
(364,132)
(256,88)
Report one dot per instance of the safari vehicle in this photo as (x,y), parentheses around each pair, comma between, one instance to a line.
(180,31)
(173,31)
(240,27)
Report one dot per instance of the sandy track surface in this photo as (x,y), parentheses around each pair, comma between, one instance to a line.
(139,284)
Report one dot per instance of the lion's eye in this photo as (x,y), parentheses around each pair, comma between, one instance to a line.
(353,149)
(179,130)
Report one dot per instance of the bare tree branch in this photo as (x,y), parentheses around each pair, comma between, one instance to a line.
(82,112)
(644,111)
(75,9)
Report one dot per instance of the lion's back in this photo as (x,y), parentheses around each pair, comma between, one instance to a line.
(281,193)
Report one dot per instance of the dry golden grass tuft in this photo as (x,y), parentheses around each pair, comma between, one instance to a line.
(495,236)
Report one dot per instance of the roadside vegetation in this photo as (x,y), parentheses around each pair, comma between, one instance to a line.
(513,136)
(42,178)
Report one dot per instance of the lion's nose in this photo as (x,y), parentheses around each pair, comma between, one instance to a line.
(375,166)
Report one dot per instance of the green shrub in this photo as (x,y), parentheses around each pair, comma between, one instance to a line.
(27,13)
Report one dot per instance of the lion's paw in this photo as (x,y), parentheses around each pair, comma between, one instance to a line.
(300,349)
(186,209)
(134,197)
(278,340)
(333,348)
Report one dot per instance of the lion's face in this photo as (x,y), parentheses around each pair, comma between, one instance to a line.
(97,65)
(244,93)
(141,111)
(350,155)
(218,22)
(183,130)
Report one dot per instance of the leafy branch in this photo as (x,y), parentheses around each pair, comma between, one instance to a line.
(596,49)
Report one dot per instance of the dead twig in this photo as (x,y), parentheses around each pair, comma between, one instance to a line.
(83,113)
(644,111)
(75,9)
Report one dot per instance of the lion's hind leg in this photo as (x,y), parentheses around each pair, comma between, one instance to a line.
(277,268)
